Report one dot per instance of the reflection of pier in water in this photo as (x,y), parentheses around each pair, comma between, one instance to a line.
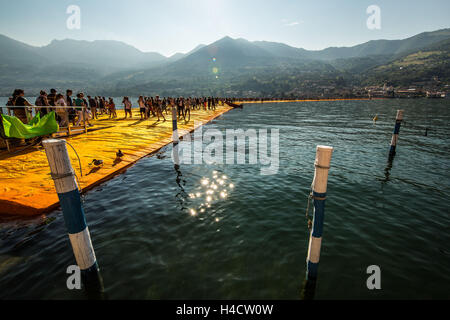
(181,196)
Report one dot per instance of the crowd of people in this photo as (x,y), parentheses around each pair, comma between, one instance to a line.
(70,109)
(156,107)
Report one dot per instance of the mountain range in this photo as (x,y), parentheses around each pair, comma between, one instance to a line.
(225,66)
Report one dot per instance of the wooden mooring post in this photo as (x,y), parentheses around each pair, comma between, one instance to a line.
(394,140)
(66,186)
(318,195)
(175,138)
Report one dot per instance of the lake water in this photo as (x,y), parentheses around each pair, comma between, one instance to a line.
(252,244)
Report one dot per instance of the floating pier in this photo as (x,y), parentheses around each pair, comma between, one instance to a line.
(309,100)
(26,185)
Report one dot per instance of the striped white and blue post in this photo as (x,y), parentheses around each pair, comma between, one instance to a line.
(394,141)
(175,137)
(319,193)
(69,198)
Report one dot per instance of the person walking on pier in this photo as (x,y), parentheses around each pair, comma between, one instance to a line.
(152,106)
(62,112)
(112,109)
(187,109)
(148,107)
(42,101)
(141,104)
(69,103)
(20,103)
(79,104)
(85,103)
(180,107)
(52,97)
(127,106)
(164,104)
(159,110)
(80,107)
(101,105)
(93,106)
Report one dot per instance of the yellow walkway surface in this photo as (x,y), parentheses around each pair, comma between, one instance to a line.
(26,187)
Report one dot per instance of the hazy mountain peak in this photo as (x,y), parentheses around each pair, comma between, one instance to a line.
(225,39)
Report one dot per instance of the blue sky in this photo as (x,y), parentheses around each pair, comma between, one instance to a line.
(170,26)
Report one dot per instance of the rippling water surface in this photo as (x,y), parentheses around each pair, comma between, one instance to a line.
(156,237)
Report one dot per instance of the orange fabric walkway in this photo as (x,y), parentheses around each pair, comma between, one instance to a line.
(26,187)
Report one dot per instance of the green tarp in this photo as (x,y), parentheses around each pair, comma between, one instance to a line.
(14,128)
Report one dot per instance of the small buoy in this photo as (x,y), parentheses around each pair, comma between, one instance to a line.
(375,119)
(426,132)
